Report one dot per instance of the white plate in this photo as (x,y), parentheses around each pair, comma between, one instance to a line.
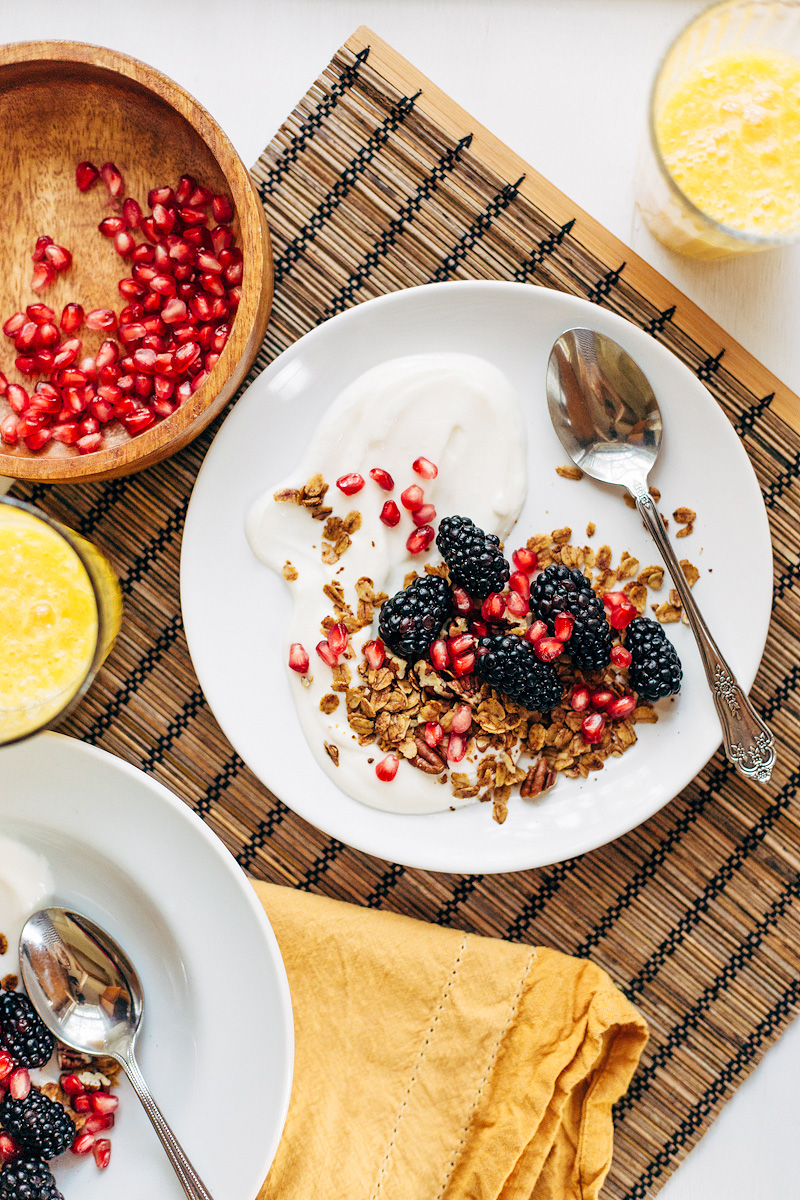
(216,1044)
(235,609)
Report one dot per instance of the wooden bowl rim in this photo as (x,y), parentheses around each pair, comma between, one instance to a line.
(128,457)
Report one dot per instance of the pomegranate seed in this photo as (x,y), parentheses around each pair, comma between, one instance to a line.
(161,195)
(103,1102)
(564,623)
(38,250)
(425,468)
(579,698)
(83,1143)
(420,539)
(26,338)
(234,296)
(102,1152)
(433,733)
(164,285)
(174,311)
(620,609)
(620,657)
(201,306)
(520,583)
(221,239)
(97,1122)
(139,421)
(19,1083)
(58,257)
(112,178)
(144,359)
(40,314)
(375,653)
(144,272)
(101,318)
(456,747)
(30,423)
(89,426)
(478,628)
(17,397)
(3,384)
(220,337)
(412,498)
(9,433)
(209,263)
(592,728)
(82,1103)
(620,708)
(124,243)
(88,445)
(493,607)
(103,409)
(424,515)
(200,197)
(382,478)
(338,638)
(8,1148)
(234,274)
(107,355)
(149,230)
(132,213)
(192,216)
(537,630)
(390,513)
(68,434)
(111,226)
(71,317)
(43,276)
(459,644)
(221,208)
(14,323)
(143,253)
(517,605)
(109,395)
(186,355)
(463,665)
(163,388)
(548,648)
(151,303)
(462,718)
(26,364)
(6,1064)
(129,335)
(386,769)
(70,377)
(298,658)
(86,174)
(67,352)
(462,600)
(439,654)
(131,289)
(601,698)
(525,560)
(186,187)
(350,484)
(326,654)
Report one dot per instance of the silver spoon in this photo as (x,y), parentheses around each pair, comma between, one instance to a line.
(608,420)
(89,996)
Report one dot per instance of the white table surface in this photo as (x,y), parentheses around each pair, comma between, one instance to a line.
(565,84)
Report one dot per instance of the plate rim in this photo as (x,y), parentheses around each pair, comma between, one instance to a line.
(419,859)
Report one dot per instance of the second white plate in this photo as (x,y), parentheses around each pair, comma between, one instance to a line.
(235,609)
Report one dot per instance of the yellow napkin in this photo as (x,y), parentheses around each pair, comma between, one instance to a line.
(438,1065)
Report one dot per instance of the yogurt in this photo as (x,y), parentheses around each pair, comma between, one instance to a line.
(459,412)
(26,885)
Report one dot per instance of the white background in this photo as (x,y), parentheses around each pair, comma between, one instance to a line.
(565,84)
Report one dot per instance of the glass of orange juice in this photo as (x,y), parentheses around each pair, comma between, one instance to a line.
(720,171)
(60,610)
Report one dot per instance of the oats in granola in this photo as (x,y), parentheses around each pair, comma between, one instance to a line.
(570,472)
(289,572)
(332,752)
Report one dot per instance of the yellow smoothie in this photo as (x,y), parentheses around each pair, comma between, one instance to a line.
(49,621)
(730,135)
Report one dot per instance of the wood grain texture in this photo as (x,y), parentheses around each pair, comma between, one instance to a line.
(61,103)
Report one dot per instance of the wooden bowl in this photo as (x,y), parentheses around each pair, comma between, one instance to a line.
(62,103)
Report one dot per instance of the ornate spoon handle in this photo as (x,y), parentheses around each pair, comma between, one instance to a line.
(749,744)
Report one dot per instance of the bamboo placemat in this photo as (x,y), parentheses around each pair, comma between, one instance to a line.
(377,181)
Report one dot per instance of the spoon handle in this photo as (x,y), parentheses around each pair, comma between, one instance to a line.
(749,744)
(191,1182)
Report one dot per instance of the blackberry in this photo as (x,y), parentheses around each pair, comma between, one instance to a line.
(22,1032)
(413,618)
(474,557)
(509,664)
(39,1125)
(655,669)
(28,1179)
(566,589)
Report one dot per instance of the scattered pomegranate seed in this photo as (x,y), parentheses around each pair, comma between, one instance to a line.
(39,248)
(112,178)
(132,213)
(40,314)
(83,1143)
(88,445)
(382,478)
(97,1122)
(43,276)
(456,747)
(621,657)
(326,654)
(386,769)
(298,658)
(14,323)
(439,654)
(478,628)
(221,208)
(375,653)
(338,638)
(464,664)
(9,1149)
(103,1102)
(520,583)
(579,698)
(564,623)
(125,243)
(620,708)
(433,733)
(6,1064)
(493,607)
(58,257)
(460,644)
(71,317)
(102,1152)
(86,174)
(420,539)
(601,698)
(82,1103)
(525,560)
(462,600)
(19,1083)
(17,397)
(548,648)
(412,498)
(517,604)
(592,728)
(425,468)
(101,318)
(462,718)
(620,610)
(72,1085)
(350,484)
(424,515)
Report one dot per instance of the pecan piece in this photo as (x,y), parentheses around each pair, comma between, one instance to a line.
(426,758)
(538,780)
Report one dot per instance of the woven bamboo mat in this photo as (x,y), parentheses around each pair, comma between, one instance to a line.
(377,182)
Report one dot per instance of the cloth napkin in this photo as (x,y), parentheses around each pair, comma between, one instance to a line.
(438,1065)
